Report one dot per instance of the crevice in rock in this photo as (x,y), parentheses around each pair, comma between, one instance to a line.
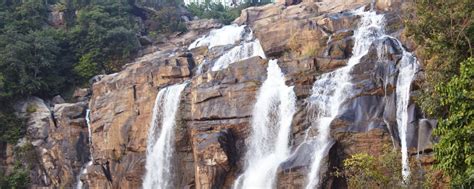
(55,121)
(175,77)
(106,171)
(220,118)
(227,142)
(134,87)
(208,99)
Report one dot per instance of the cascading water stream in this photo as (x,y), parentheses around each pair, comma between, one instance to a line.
(160,145)
(83,170)
(332,89)
(408,66)
(246,46)
(226,35)
(271,128)
(241,52)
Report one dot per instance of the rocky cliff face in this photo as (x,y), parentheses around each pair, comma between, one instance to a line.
(55,146)
(214,118)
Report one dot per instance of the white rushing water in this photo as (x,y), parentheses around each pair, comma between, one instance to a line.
(226,35)
(408,66)
(83,171)
(240,37)
(160,145)
(332,89)
(240,52)
(271,128)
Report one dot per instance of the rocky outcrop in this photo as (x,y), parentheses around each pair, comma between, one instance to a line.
(57,16)
(56,141)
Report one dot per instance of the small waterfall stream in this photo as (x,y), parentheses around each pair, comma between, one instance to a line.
(226,35)
(160,145)
(79,184)
(408,66)
(240,52)
(240,37)
(270,134)
(333,88)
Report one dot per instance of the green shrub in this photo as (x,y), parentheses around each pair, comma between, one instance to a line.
(455,150)
(168,20)
(31,108)
(17,179)
(444,31)
(362,170)
(11,127)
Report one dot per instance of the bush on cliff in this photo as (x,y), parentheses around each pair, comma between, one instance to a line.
(17,179)
(362,170)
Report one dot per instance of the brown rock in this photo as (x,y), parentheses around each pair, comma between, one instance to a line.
(203,24)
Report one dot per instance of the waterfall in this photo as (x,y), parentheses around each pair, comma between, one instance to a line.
(160,145)
(408,66)
(240,37)
(271,127)
(333,88)
(226,35)
(241,52)
(84,167)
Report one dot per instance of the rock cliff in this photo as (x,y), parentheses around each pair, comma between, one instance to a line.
(214,118)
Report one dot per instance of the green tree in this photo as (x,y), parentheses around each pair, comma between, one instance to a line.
(218,11)
(445,32)
(11,128)
(455,150)
(105,37)
(17,179)
(27,62)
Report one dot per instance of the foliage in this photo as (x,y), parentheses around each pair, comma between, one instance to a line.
(28,64)
(11,128)
(362,170)
(455,150)
(17,179)
(218,11)
(166,20)
(28,54)
(105,36)
(445,32)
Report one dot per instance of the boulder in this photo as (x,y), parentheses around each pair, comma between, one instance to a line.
(81,94)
